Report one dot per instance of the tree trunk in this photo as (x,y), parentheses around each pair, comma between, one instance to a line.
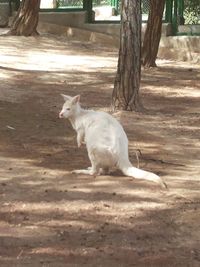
(125,95)
(26,20)
(153,33)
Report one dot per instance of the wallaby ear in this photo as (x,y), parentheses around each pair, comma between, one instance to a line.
(76,99)
(66,97)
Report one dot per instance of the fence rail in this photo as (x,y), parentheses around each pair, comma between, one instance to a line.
(97,3)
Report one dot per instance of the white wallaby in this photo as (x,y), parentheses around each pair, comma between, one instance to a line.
(105,139)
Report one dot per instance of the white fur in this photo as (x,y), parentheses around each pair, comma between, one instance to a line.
(105,139)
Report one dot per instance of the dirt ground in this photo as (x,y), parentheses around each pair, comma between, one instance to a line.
(50,217)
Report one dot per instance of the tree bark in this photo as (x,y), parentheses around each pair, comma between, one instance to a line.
(125,94)
(26,21)
(153,33)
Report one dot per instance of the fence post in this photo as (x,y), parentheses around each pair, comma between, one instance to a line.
(17,4)
(181,19)
(175,17)
(168,11)
(115,4)
(87,6)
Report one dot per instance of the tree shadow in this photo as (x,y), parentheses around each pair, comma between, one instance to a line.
(49,217)
(88,238)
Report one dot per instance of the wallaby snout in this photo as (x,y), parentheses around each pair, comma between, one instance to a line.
(61,115)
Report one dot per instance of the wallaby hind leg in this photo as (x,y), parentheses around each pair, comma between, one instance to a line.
(90,171)
(93,170)
(102,171)
(83,171)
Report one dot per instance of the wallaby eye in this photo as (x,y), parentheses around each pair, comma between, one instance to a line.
(67,108)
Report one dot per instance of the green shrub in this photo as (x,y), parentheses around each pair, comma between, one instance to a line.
(192,12)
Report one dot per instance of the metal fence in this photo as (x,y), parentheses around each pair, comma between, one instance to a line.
(98,3)
(177,12)
(79,3)
(75,3)
(69,3)
(5,12)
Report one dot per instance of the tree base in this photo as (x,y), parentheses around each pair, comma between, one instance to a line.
(118,105)
(17,33)
(148,65)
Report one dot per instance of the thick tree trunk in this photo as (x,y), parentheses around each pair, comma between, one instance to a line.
(153,33)
(125,95)
(26,21)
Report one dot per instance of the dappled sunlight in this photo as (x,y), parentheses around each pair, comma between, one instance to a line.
(179,64)
(172,93)
(50,216)
(4,75)
(54,62)
(46,59)
(101,207)
(174,82)
(25,233)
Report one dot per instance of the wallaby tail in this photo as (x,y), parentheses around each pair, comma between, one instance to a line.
(141,174)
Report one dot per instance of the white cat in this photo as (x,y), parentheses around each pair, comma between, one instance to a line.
(105,139)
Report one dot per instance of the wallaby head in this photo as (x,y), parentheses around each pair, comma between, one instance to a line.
(70,107)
